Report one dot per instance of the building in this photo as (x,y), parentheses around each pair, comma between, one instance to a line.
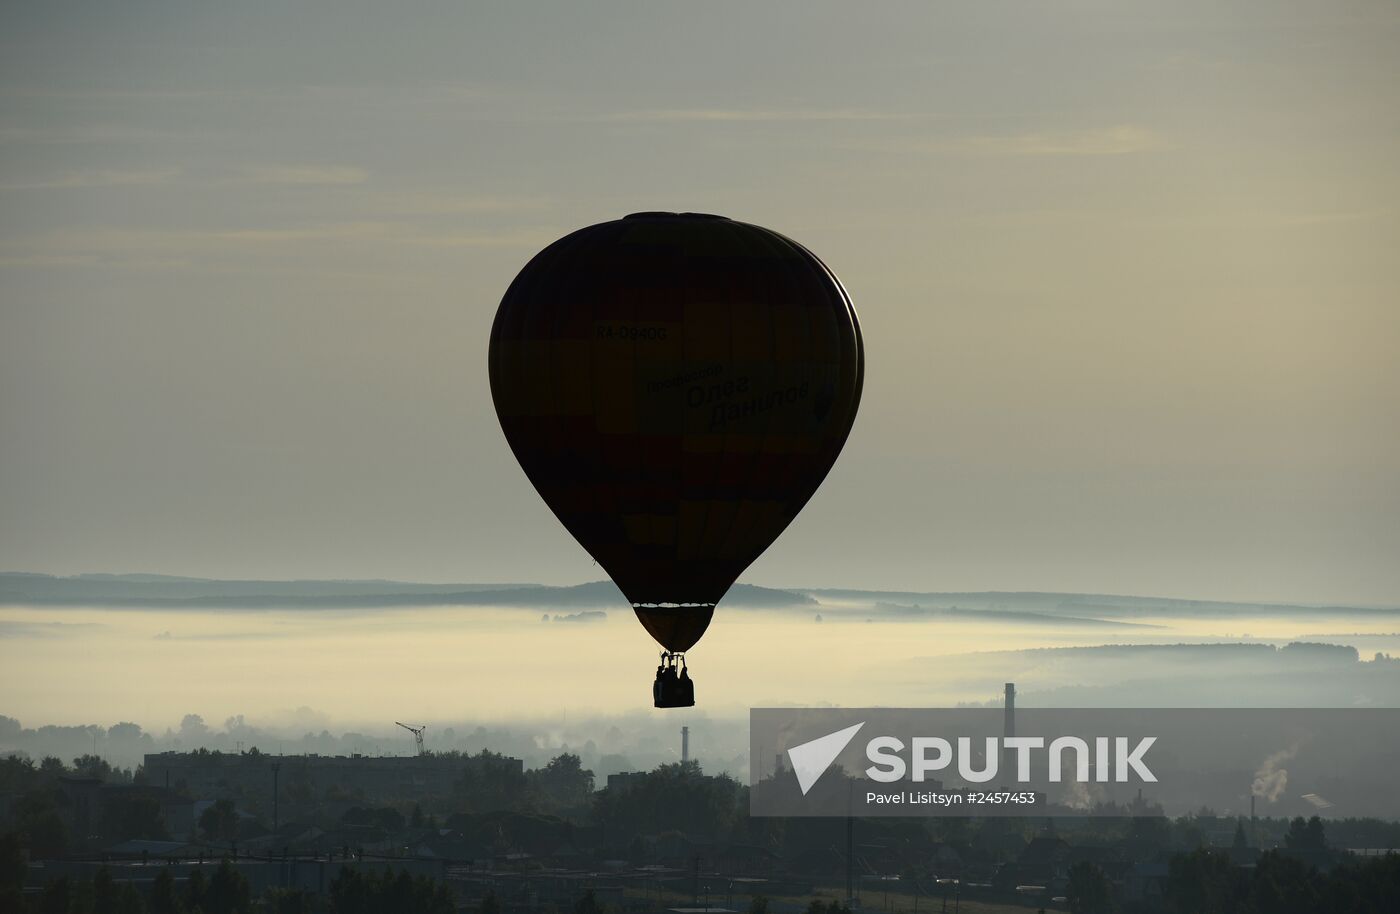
(88,801)
(625,780)
(310,778)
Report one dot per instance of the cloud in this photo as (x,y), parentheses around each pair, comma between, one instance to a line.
(521,238)
(168,635)
(1123,139)
(91,134)
(107,94)
(446,203)
(99,178)
(242,248)
(1100,141)
(109,242)
(62,261)
(329,231)
(741,115)
(20,629)
(382,232)
(1328,217)
(257,174)
(303,174)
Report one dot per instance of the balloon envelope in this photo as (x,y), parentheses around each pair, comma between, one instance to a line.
(676,386)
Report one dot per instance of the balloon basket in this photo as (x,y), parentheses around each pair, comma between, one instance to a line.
(673,687)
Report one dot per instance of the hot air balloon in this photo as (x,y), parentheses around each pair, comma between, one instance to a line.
(676,386)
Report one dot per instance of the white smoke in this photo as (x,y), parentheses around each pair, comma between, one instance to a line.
(1083,797)
(1271,779)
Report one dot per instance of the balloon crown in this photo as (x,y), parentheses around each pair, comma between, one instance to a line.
(664,215)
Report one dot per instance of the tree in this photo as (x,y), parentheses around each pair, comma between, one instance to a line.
(588,904)
(1150,833)
(1088,890)
(127,817)
(228,891)
(193,731)
(758,904)
(491,781)
(195,888)
(1305,835)
(355,891)
(57,897)
(12,872)
(163,897)
(92,766)
(818,906)
(490,904)
(562,784)
(104,892)
(1285,885)
(1204,882)
(349,892)
(127,900)
(17,774)
(38,820)
(289,901)
(672,797)
(220,821)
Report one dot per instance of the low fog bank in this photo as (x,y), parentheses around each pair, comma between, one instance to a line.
(605,744)
(533,671)
(1297,674)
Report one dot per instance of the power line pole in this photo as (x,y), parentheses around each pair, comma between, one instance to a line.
(850,847)
(850,861)
(276,767)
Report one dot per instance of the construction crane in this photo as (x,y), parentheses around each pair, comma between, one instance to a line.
(417,735)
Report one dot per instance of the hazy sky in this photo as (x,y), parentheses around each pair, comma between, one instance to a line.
(1127,275)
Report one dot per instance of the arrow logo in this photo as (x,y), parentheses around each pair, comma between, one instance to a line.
(811,759)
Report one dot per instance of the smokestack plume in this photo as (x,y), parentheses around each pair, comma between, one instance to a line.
(1272,778)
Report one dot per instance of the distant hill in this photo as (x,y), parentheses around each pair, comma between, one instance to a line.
(177,592)
(899,612)
(1092,606)
(1031,608)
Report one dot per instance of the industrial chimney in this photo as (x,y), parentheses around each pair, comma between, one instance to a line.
(685,744)
(1008,729)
